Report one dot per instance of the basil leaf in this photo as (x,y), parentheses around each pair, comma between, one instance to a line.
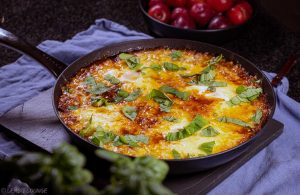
(176,154)
(97,89)
(131,140)
(121,95)
(72,107)
(99,101)
(188,75)
(241,89)
(209,76)
(89,81)
(209,132)
(133,62)
(175,55)
(215,60)
(87,129)
(245,95)
(130,112)
(197,123)
(113,80)
(214,83)
(170,118)
(257,116)
(171,90)
(236,121)
(207,147)
(172,67)
(101,137)
(162,99)
(133,96)
(155,67)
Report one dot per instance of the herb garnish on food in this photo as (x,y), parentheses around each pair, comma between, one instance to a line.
(207,147)
(162,99)
(236,121)
(132,61)
(172,67)
(173,91)
(197,123)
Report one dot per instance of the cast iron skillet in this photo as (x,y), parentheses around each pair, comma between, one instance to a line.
(63,72)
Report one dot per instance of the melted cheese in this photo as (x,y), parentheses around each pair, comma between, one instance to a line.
(149,120)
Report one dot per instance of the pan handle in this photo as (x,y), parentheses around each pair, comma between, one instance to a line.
(10,40)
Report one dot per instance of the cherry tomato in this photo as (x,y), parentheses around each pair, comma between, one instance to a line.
(154,2)
(201,13)
(220,5)
(184,22)
(176,3)
(160,12)
(190,3)
(179,11)
(218,22)
(240,13)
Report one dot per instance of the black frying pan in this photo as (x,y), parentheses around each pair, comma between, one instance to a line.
(63,72)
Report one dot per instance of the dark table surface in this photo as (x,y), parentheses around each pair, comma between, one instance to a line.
(267,43)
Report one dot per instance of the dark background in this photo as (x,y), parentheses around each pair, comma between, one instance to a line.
(267,43)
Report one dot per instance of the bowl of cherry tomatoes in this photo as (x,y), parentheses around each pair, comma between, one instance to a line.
(213,21)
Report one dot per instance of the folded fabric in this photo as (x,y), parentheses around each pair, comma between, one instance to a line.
(273,171)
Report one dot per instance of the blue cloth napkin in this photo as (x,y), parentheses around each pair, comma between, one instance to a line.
(275,170)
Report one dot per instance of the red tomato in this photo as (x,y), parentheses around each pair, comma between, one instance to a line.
(176,3)
(184,22)
(201,13)
(160,12)
(218,22)
(220,5)
(179,11)
(240,13)
(154,2)
(190,3)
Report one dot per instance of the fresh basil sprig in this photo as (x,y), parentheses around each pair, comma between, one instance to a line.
(257,116)
(113,80)
(165,103)
(176,154)
(236,121)
(130,112)
(132,61)
(88,129)
(207,147)
(209,132)
(172,67)
(245,94)
(175,55)
(133,96)
(197,123)
(99,101)
(182,95)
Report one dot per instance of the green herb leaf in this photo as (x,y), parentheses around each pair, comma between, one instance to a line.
(170,118)
(87,129)
(197,123)
(155,67)
(72,108)
(215,60)
(99,101)
(176,154)
(165,103)
(98,89)
(236,121)
(133,96)
(245,94)
(130,112)
(121,95)
(172,67)
(257,116)
(101,137)
(132,61)
(209,132)
(89,81)
(207,147)
(113,80)
(240,89)
(175,55)
(171,90)
(214,83)
(131,140)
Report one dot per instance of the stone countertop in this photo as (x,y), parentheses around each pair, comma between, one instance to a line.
(267,43)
